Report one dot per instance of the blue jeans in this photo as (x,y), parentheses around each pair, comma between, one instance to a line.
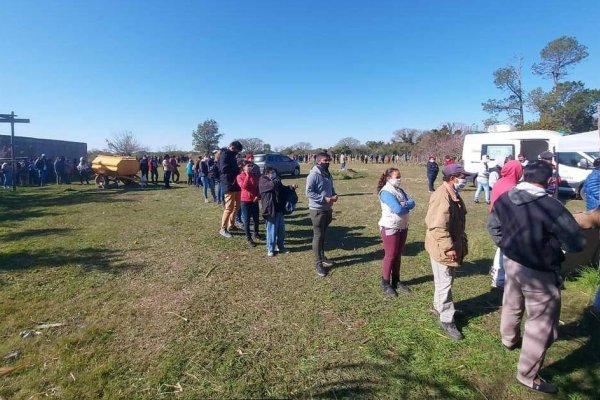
(8,179)
(485,185)
(166,178)
(43,177)
(275,228)
(209,183)
(249,211)
(220,194)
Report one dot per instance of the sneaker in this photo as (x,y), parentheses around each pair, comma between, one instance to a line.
(321,271)
(270,254)
(225,233)
(206,200)
(251,243)
(541,386)
(283,250)
(387,288)
(234,228)
(327,262)
(451,330)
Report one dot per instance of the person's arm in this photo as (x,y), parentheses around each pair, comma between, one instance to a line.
(568,232)
(392,202)
(312,189)
(494,228)
(438,222)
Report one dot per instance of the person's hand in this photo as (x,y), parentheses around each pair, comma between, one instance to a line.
(328,200)
(451,254)
(334,198)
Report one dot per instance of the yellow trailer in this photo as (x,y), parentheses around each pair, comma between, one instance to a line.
(115,169)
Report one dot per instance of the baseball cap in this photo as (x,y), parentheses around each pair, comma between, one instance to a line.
(546,155)
(454,170)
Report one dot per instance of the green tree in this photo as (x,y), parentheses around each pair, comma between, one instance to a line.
(406,135)
(569,106)
(558,56)
(509,80)
(206,137)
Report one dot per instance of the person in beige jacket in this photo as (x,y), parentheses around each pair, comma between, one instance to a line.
(446,242)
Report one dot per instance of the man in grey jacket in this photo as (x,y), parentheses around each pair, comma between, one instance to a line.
(532,229)
(321,196)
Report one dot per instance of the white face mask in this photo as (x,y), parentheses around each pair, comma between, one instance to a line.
(395,182)
(460,183)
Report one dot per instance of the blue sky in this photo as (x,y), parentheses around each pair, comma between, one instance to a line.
(284,71)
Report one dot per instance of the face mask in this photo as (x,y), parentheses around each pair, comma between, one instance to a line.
(395,182)
(325,166)
(460,184)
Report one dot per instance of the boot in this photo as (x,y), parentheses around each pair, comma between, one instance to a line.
(396,284)
(387,288)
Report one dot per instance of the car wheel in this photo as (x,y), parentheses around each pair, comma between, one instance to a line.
(296,171)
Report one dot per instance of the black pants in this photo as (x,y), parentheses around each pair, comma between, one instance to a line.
(431,179)
(249,210)
(320,221)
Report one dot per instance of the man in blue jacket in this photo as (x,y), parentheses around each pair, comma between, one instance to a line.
(321,196)
(591,186)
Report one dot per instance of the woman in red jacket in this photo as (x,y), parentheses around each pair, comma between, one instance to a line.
(249,200)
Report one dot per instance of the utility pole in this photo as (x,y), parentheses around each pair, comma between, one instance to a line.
(10,118)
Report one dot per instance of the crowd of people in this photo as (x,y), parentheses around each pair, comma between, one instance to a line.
(42,170)
(530,247)
(530,228)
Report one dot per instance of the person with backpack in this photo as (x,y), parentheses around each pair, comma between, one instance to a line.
(274,197)
(483,179)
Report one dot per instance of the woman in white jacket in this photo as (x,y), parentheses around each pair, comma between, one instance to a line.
(483,179)
(393,227)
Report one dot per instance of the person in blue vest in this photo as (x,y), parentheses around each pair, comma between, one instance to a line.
(432,172)
(591,187)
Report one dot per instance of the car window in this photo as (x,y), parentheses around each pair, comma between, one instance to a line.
(570,159)
(259,158)
(285,159)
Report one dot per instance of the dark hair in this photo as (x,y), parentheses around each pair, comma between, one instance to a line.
(268,170)
(447,178)
(538,171)
(383,178)
(323,155)
(236,145)
(596,163)
(166,156)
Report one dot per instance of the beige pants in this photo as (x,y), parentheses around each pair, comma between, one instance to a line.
(443,277)
(536,292)
(232,206)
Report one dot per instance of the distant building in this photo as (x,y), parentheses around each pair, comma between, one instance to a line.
(27,147)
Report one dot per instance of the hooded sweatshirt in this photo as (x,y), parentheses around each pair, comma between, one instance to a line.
(532,228)
(319,184)
(510,174)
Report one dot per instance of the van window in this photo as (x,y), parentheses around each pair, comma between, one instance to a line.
(498,151)
(570,159)
(593,154)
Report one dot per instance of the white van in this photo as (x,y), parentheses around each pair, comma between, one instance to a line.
(574,153)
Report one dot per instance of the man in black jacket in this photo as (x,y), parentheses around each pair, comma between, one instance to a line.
(228,171)
(532,229)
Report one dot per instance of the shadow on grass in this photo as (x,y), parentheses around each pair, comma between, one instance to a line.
(413,248)
(346,382)
(87,258)
(31,233)
(579,372)
(478,267)
(356,194)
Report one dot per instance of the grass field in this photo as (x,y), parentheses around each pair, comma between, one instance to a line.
(155,304)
